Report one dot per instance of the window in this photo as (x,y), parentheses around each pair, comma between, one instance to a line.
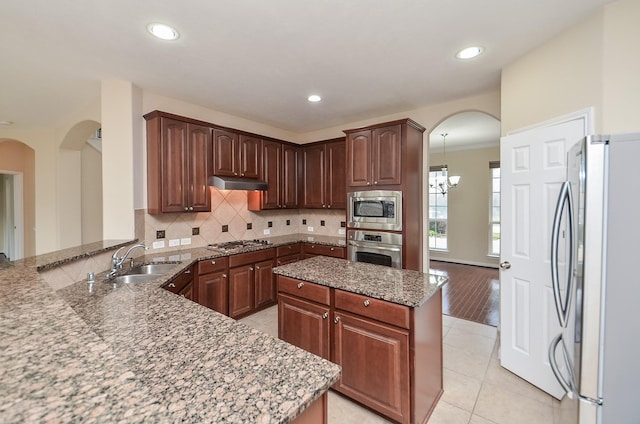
(494,214)
(437,211)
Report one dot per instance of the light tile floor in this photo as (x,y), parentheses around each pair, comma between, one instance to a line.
(477,390)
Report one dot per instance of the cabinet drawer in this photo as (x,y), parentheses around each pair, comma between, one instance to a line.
(289,249)
(251,257)
(212,265)
(283,260)
(179,282)
(304,289)
(324,250)
(377,309)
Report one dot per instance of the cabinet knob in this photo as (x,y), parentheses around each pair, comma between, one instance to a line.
(300,285)
(329,206)
(325,315)
(324,206)
(375,182)
(250,268)
(235,173)
(336,320)
(188,271)
(332,249)
(257,268)
(366,303)
(224,275)
(279,263)
(172,285)
(284,206)
(242,175)
(213,262)
(190,208)
(186,208)
(368,182)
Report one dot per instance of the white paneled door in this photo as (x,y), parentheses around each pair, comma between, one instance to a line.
(532,167)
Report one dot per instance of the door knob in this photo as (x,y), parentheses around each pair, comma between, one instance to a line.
(505,265)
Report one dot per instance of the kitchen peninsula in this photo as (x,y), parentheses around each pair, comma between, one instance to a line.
(105,352)
(382,325)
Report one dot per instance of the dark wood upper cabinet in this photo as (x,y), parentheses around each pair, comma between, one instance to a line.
(280,169)
(178,165)
(236,155)
(374,157)
(323,175)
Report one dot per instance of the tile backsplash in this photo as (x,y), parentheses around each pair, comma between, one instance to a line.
(229,212)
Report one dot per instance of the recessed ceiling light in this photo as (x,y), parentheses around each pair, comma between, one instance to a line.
(162,31)
(469,52)
(314,98)
(7,123)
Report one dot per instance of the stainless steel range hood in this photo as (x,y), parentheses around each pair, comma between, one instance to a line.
(237,183)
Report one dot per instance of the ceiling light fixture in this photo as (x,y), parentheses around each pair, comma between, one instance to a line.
(448,181)
(163,32)
(6,123)
(469,52)
(314,98)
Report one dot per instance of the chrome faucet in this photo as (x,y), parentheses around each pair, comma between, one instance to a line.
(116,261)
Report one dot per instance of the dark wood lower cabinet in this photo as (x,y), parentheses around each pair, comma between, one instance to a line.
(265,284)
(390,354)
(212,284)
(240,290)
(304,324)
(375,364)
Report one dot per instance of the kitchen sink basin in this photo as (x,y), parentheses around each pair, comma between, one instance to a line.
(135,278)
(151,269)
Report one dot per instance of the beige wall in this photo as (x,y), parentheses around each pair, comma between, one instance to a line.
(20,158)
(592,64)
(469,205)
(91,189)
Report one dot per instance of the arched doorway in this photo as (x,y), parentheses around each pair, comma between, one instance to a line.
(80,185)
(17,200)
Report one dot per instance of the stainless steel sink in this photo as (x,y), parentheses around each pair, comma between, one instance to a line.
(135,278)
(151,269)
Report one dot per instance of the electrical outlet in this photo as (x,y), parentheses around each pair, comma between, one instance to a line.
(342,231)
(158,244)
(160,234)
(174,243)
(266,232)
(185,241)
(310,229)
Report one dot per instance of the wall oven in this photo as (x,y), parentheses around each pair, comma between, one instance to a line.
(375,247)
(376,210)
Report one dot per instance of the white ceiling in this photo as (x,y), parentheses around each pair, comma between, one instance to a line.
(260,59)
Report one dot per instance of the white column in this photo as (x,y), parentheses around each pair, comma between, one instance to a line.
(121,130)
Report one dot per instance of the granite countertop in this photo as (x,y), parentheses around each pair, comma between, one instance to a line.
(401,286)
(137,353)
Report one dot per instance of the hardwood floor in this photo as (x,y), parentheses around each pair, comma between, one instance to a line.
(472,292)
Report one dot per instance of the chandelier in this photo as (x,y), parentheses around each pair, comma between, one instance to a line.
(447,182)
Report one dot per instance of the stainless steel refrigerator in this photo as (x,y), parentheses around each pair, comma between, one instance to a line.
(595,267)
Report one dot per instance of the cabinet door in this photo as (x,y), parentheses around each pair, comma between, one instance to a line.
(174,165)
(199,168)
(272,174)
(290,170)
(212,291)
(265,284)
(240,290)
(387,155)
(336,196)
(225,153)
(187,292)
(375,364)
(313,176)
(304,324)
(250,159)
(359,158)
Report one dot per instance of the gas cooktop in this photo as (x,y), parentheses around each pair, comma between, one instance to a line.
(230,245)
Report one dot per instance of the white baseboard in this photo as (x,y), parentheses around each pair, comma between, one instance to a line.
(463,262)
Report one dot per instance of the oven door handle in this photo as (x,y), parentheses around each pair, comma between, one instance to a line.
(374,246)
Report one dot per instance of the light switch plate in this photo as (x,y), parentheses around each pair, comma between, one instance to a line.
(185,241)
(310,229)
(174,242)
(158,244)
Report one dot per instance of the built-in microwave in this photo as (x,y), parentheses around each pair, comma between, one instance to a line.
(375,210)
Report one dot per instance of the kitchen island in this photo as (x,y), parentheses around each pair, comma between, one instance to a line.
(137,353)
(383,326)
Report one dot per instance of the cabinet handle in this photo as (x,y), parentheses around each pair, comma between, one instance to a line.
(300,285)
(336,320)
(172,285)
(366,303)
(325,315)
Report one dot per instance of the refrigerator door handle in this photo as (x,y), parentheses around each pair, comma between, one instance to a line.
(562,305)
(566,385)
